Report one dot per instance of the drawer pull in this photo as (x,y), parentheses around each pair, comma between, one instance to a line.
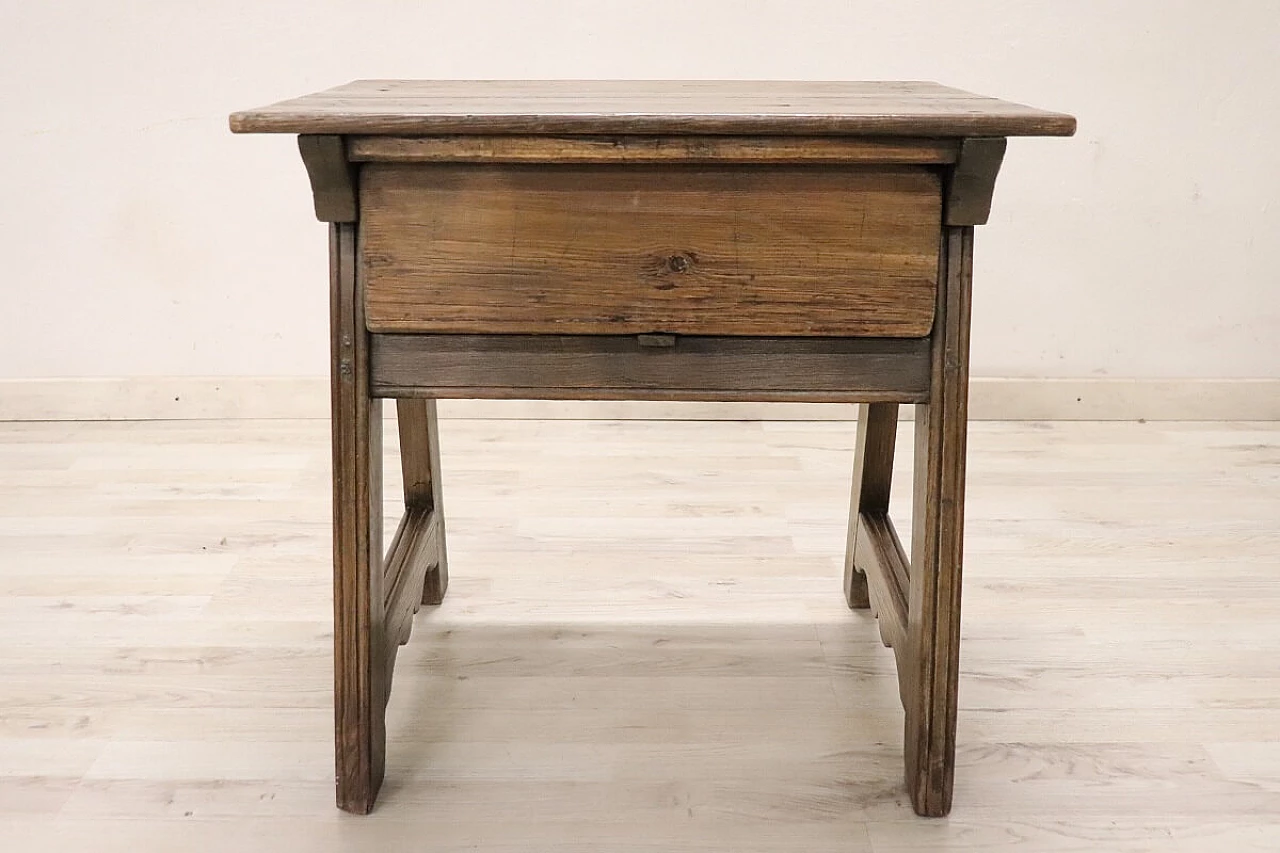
(656,340)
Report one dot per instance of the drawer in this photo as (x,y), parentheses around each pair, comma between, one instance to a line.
(633,249)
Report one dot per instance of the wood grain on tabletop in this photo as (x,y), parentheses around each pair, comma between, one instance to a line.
(429,107)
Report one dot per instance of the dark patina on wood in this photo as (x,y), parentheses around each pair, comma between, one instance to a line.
(971,182)
(509,366)
(333,179)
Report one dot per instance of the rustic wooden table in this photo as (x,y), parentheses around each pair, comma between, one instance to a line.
(651,241)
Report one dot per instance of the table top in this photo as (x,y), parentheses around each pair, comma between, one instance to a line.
(428,107)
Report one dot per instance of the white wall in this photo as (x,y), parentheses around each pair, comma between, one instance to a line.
(140,238)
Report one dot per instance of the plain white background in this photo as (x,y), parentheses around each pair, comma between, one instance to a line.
(140,238)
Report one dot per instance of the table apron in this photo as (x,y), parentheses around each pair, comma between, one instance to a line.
(625,367)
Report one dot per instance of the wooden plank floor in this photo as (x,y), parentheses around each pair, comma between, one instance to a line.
(644,646)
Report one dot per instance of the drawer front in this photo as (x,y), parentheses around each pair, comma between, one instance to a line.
(719,250)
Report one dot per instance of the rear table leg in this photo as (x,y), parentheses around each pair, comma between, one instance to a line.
(872,473)
(420,460)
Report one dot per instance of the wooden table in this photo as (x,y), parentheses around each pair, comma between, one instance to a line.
(650,241)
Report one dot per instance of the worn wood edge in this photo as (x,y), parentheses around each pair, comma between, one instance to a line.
(414,550)
(650,149)
(146,398)
(674,124)
(880,555)
(333,179)
(971,183)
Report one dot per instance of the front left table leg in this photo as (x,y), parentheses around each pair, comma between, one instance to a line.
(361,669)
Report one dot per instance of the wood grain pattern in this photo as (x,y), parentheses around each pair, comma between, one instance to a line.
(872,478)
(361,677)
(650,149)
(931,669)
(753,250)
(582,367)
(419,430)
(430,107)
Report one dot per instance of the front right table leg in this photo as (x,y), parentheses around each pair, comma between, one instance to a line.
(929,670)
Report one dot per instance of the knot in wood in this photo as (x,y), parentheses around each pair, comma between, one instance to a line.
(678,263)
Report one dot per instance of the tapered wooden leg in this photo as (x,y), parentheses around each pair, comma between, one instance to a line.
(361,669)
(420,461)
(872,474)
(929,669)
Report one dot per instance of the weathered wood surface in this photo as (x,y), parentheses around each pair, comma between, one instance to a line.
(971,182)
(747,250)
(930,668)
(428,107)
(650,149)
(361,675)
(609,367)
(333,181)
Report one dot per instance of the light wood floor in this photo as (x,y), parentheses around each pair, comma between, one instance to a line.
(644,646)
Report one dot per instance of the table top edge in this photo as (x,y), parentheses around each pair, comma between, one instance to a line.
(626,107)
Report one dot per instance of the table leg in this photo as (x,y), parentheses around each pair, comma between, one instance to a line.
(420,461)
(872,474)
(929,670)
(361,667)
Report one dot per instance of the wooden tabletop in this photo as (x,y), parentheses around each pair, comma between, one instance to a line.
(428,107)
